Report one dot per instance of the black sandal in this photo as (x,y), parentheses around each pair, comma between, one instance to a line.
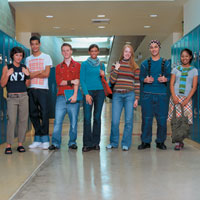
(8,150)
(21,149)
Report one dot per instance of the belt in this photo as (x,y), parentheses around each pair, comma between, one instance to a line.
(122,91)
(17,95)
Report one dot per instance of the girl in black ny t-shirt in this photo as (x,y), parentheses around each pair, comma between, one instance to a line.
(16,78)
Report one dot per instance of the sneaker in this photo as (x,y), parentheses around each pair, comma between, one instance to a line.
(53,147)
(161,146)
(73,146)
(124,148)
(110,146)
(144,146)
(34,145)
(178,146)
(45,145)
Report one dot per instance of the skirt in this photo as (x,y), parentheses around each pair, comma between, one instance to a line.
(187,109)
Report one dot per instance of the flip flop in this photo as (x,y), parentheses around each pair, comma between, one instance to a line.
(8,150)
(21,149)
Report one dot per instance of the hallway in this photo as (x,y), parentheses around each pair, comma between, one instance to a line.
(109,174)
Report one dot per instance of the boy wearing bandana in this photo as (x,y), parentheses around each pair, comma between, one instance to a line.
(154,76)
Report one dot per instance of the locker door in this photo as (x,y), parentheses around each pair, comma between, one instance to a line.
(194,48)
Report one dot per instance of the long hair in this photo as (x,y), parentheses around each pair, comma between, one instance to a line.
(132,62)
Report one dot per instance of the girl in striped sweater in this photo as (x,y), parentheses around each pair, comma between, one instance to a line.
(125,77)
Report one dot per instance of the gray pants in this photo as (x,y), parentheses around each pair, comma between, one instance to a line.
(17,105)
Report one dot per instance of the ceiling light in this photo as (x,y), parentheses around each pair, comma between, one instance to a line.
(147,26)
(100,15)
(153,15)
(49,16)
(56,27)
(101,27)
(128,42)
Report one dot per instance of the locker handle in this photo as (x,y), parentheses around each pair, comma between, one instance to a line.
(6,60)
(195,56)
(1,58)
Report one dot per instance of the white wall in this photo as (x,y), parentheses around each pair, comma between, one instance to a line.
(166,43)
(191,15)
(7,18)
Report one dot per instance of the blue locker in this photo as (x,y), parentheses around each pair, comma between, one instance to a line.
(191,41)
(6,44)
(52,92)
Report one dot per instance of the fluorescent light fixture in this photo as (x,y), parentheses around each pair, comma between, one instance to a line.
(147,26)
(49,16)
(89,0)
(153,15)
(100,15)
(56,27)
(128,42)
(101,27)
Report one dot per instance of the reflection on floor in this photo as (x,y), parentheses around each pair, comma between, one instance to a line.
(109,174)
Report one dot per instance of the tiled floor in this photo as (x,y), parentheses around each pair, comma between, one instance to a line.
(109,174)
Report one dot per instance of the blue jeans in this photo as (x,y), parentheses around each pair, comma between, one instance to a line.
(92,137)
(120,101)
(61,109)
(154,105)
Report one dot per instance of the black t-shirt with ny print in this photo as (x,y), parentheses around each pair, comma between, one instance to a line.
(16,81)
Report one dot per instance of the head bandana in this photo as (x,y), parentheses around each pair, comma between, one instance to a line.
(156,42)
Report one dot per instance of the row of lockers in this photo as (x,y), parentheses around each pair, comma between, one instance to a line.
(6,44)
(191,41)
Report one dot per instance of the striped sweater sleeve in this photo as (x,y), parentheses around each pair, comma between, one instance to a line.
(137,83)
(113,75)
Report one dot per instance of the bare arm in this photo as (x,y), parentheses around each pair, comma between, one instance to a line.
(73,99)
(41,74)
(172,81)
(5,76)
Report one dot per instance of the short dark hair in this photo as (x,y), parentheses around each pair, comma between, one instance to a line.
(66,45)
(34,38)
(15,50)
(93,46)
(189,52)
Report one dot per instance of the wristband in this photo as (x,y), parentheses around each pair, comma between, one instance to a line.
(69,83)
(28,77)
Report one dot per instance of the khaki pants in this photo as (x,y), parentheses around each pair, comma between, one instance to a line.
(17,105)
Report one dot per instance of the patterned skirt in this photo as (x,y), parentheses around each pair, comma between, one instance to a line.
(187,109)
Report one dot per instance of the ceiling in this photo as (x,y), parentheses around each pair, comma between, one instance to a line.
(74,17)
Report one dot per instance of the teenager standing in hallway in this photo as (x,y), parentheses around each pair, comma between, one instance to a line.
(67,78)
(125,77)
(154,76)
(183,84)
(93,97)
(16,78)
(39,65)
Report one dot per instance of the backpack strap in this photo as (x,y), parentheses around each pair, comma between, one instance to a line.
(163,67)
(149,67)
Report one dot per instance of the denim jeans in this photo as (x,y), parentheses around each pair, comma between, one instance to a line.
(92,137)
(120,101)
(38,112)
(63,108)
(154,105)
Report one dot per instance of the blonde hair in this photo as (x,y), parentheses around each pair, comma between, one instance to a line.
(132,62)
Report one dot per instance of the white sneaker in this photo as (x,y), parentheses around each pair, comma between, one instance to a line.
(34,145)
(45,145)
